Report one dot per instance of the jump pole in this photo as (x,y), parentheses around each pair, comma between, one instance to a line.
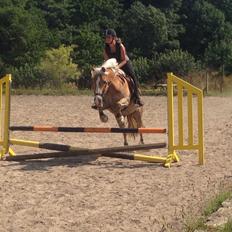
(65,148)
(70,151)
(62,154)
(88,129)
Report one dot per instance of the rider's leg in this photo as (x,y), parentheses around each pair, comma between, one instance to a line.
(128,69)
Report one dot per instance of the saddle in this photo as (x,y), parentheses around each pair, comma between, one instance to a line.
(128,79)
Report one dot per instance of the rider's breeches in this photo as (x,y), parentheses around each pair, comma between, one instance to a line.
(128,69)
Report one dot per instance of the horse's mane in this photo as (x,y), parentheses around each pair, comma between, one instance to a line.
(110,63)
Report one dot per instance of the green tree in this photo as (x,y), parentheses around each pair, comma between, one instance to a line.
(219,52)
(225,6)
(142,67)
(177,61)
(204,23)
(144,29)
(90,48)
(23,36)
(57,14)
(89,19)
(100,14)
(58,68)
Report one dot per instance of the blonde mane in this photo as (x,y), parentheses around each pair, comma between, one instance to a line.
(110,63)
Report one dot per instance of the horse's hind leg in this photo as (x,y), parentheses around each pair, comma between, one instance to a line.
(138,119)
(141,139)
(121,123)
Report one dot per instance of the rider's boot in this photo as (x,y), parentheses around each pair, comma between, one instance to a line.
(138,99)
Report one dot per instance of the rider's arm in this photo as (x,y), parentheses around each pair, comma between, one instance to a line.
(123,56)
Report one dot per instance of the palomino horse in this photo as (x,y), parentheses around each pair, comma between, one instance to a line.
(112,92)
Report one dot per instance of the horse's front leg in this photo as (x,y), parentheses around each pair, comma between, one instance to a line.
(103,117)
(122,124)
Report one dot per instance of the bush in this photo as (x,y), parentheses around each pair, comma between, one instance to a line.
(176,61)
(57,67)
(26,76)
(142,67)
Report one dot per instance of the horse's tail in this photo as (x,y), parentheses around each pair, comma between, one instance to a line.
(135,121)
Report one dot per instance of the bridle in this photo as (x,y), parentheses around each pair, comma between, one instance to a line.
(102,91)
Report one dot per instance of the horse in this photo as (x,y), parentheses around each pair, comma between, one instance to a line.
(113,91)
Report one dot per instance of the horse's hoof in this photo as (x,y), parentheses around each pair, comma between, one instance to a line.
(104,118)
(94,107)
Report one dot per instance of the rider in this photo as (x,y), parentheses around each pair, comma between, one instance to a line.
(115,49)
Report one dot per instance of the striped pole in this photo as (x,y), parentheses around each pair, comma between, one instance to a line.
(87,129)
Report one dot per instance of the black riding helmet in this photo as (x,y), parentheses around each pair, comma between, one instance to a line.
(110,32)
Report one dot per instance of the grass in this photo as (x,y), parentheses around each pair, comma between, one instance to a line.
(227,227)
(216,203)
(193,223)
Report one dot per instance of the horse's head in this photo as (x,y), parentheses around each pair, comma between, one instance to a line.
(101,80)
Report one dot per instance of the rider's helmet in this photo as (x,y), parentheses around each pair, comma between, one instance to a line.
(110,32)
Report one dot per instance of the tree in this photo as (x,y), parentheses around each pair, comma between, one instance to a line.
(89,19)
(177,61)
(58,68)
(100,14)
(24,36)
(225,6)
(144,29)
(90,49)
(203,24)
(174,27)
(57,14)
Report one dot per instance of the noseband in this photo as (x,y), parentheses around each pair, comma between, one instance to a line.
(102,92)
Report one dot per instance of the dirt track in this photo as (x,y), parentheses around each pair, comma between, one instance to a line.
(88,195)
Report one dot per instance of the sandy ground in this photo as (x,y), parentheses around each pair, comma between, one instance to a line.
(88,194)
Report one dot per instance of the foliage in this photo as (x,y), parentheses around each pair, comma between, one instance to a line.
(225,6)
(58,18)
(203,24)
(176,61)
(219,52)
(216,203)
(25,76)
(101,13)
(142,68)
(90,48)
(155,34)
(23,36)
(58,68)
(140,20)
